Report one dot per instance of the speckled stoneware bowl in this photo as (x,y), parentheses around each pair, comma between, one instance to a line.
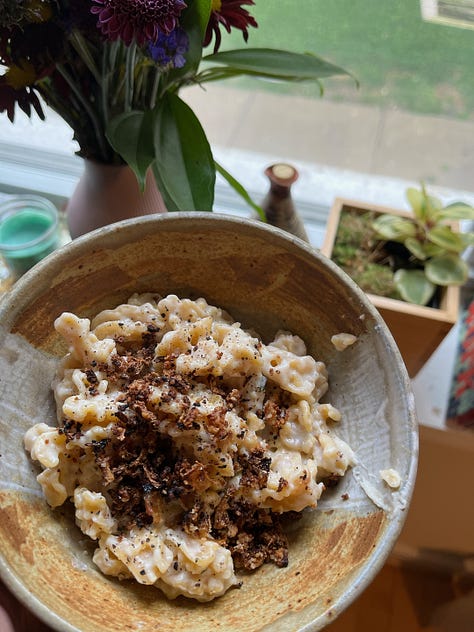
(267,280)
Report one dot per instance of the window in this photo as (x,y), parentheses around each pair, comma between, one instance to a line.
(450,12)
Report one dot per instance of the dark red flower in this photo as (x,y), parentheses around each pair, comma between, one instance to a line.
(29,54)
(229,14)
(139,20)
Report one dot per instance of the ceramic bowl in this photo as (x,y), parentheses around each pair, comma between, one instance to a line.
(267,280)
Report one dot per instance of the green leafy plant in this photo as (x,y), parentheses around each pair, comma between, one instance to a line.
(434,248)
(362,255)
(113,70)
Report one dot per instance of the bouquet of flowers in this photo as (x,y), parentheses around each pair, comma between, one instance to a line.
(112,69)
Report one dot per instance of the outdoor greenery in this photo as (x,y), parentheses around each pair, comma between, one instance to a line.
(399,59)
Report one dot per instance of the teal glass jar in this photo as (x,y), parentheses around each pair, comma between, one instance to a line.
(29,231)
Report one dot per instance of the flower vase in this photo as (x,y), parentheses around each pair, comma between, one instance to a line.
(110,193)
(278,204)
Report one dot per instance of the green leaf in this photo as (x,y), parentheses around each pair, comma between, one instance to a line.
(457,211)
(131,136)
(432,207)
(447,269)
(425,207)
(240,190)
(416,200)
(220,73)
(201,11)
(167,198)
(394,228)
(444,237)
(432,250)
(413,286)
(467,239)
(194,21)
(184,164)
(416,248)
(279,64)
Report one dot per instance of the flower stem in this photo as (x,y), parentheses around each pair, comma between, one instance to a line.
(129,76)
(115,64)
(154,89)
(104,87)
(80,45)
(88,109)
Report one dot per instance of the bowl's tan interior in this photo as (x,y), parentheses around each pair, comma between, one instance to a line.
(266,280)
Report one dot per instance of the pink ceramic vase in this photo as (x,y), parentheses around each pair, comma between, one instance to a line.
(108,193)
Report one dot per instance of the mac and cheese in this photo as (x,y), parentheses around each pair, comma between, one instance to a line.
(183,439)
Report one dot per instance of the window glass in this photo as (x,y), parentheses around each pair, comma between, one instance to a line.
(400,59)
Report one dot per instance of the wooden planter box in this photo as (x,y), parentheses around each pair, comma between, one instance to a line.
(417,330)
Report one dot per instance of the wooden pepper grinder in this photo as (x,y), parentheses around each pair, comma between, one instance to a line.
(278,204)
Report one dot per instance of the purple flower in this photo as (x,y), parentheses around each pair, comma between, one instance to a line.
(139,20)
(170,49)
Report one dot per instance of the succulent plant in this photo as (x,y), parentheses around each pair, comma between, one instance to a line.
(435,247)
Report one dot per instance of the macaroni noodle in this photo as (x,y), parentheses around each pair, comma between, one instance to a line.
(182,440)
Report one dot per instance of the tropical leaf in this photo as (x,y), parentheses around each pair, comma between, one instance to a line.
(457,211)
(131,136)
(278,64)
(413,286)
(447,269)
(425,207)
(416,248)
(467,239)
(444,237)
(202,12)
(432,250)
(415,199)
(433,206)
(183,164)
(240,189)
(194,21)
(394,228)
(221,73)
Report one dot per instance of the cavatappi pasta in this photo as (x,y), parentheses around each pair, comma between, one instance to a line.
(183,440)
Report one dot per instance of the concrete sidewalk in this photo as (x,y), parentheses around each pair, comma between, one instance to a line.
(349,137)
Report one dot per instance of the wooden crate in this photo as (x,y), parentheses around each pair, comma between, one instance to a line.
(417,330)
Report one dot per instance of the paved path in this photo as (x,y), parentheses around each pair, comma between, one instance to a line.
(365,140)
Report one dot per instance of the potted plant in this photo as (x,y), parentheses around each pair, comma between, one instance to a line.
(409,264)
